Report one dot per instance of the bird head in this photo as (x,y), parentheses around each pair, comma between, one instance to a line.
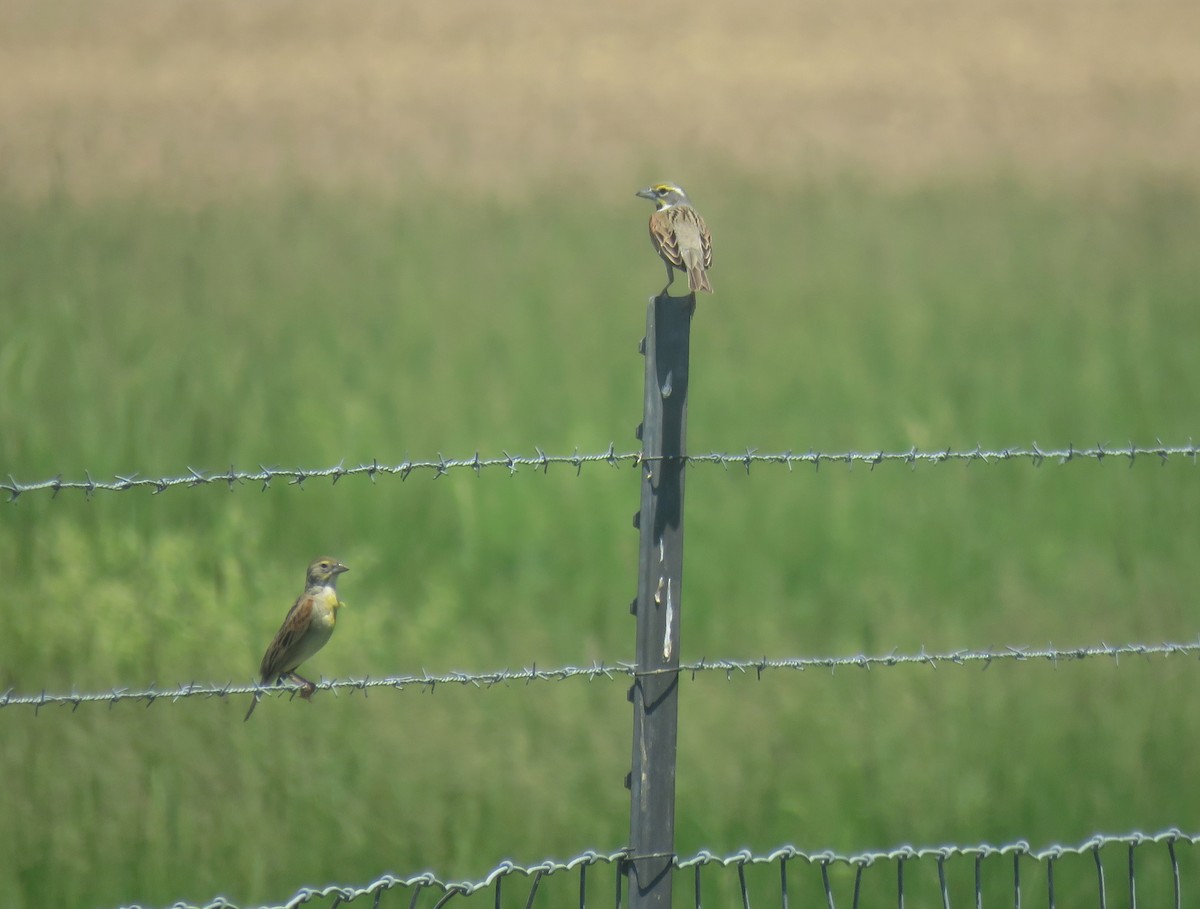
(324,571)
(664,195)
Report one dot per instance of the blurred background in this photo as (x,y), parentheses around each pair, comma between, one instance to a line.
(301,233)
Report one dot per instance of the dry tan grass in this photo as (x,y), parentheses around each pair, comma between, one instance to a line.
(221,94)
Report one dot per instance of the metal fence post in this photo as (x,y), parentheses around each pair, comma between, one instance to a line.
(655,689)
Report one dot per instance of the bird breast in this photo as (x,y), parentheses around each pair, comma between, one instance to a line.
(325,609)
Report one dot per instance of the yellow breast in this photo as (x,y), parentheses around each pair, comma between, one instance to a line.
(325,607)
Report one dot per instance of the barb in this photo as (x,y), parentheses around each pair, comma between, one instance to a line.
(297,476)
(427,881)
(731,667)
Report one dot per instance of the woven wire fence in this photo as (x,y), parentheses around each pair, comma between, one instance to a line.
(1011,875)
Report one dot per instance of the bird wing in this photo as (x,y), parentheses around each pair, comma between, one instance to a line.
(690,236)
(662,235)
(284,654)
(705,241)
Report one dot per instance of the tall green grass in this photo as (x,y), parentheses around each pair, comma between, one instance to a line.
(307,329)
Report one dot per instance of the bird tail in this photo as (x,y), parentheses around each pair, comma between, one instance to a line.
(698,278)
(253,704)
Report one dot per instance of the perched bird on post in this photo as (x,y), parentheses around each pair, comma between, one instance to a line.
(305,629)
(679,235)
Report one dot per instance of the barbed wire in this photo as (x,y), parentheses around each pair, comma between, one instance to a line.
(824,860)
(731,667)
(298,476)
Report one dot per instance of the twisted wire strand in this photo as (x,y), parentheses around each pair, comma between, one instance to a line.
(866,859)
(731,667)
(1018,850)
(297,476)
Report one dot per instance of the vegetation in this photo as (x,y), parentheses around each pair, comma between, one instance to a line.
(303,327)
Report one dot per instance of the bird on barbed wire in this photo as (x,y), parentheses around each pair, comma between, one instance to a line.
(679,235)
(305,630)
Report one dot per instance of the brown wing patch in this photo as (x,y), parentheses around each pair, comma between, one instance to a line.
(705,241)
(662,234)
(279,654)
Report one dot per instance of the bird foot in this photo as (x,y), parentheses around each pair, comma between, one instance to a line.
(307,687)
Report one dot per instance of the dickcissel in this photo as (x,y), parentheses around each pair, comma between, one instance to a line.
(679,235)
(305,629)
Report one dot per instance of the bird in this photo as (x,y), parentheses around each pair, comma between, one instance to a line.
(679,235)
(305,630)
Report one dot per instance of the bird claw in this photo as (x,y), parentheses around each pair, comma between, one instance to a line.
(306,687)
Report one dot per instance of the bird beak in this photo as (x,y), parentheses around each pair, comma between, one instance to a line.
(647,193)
(339,568)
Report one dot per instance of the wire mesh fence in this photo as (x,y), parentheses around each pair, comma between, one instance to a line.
(1135,865)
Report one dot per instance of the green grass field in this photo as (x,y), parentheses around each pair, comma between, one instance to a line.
(305,327)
